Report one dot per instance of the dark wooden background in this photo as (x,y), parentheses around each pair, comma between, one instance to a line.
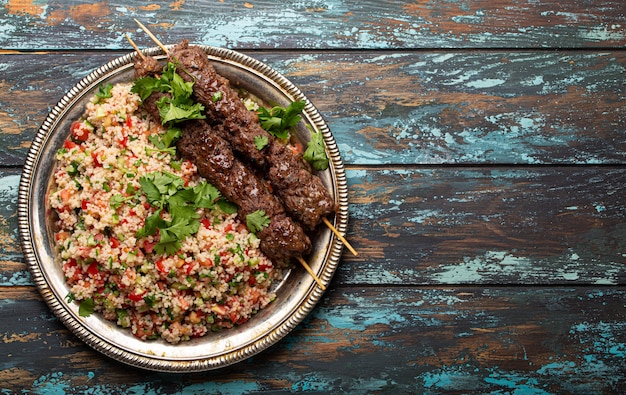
(484,142)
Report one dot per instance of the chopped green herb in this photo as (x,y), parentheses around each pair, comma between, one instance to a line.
(149,299)
(86,307)
(227,206)
(278,121)
(104,92)
(257,220)
(168,193)
(260,142)
(217,96)
(178,106)
(315,152)
(70,297)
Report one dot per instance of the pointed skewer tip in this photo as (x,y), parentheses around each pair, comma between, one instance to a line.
(308,269)
(340,236)
(152,36)
(132,44)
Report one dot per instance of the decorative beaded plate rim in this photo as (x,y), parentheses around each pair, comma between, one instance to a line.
(296,295)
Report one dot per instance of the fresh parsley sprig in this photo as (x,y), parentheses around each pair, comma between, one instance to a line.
(104,92)
(167,193)
(278,121)
(257,220)
(315,152)
(176,107)
(165,142)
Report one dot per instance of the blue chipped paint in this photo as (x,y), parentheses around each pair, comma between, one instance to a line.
(518,384)
(19,278)
(341,319)
(475,270)
(59,384)
(9,185)
(601,337)
(51,384)
(486,83)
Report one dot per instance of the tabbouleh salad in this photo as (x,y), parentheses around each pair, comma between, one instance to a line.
(142,238)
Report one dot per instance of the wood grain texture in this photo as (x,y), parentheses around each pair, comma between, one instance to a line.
(402,108)
(485,153)
(454,226)
(317,24)
(487,226)
(363,341)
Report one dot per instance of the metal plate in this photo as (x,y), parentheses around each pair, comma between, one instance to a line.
(296,295)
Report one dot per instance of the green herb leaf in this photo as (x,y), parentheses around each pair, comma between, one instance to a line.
(279,120)
(70,297)
(315,152)
(227,206)
(257,220)
(168,193)
(149,299)
(205,195)
(260,142)
(104,92)
(116,201)
(152,224)
(152,192)
(216,96)
(145,86)
(86,307)
(178,106)
(178,111)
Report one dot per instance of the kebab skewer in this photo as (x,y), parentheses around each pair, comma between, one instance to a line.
(201,143)
(302,193)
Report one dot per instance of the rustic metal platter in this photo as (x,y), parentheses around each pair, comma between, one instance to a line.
(296,295)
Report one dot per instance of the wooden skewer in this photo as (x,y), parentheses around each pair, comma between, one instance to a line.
(132,43)
(152,36)
(308,269)
(343,239)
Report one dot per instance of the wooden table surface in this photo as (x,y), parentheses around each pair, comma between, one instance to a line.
(484,143)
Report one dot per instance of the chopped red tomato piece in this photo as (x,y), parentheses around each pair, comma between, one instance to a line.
(69,144)
(79,132)
(160,267)
(114,242)
(96,160)
(93,269)
(135,297)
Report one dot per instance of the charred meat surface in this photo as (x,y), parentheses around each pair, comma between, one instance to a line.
(205,146)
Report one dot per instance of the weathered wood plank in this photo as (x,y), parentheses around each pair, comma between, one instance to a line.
(336,24)
(373,340)
(456,226)
(401,108)
(487,226)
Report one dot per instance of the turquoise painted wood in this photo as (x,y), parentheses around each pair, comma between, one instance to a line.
(485,145)
(422,108)
(363,341)
(313,24)
(450,226)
